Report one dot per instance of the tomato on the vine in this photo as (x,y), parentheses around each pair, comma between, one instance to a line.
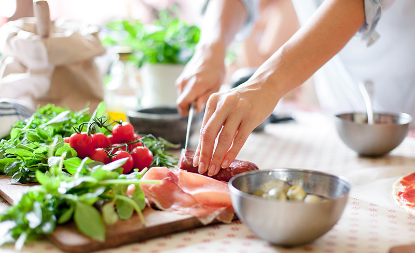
(100,155)
(66,139)
(82,143)
(142,157)
(128,165)
(100,140)
(123,132)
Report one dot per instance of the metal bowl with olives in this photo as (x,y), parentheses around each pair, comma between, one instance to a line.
(272,203)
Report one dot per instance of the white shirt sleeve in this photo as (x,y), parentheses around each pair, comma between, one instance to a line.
(373,13)
(252,8)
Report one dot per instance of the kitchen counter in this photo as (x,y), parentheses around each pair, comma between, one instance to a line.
(371,221)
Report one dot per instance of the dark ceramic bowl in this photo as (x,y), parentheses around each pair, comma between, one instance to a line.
(163,122)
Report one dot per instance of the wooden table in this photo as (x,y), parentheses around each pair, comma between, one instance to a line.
(370,223)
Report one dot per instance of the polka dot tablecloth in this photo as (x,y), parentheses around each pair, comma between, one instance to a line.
(370,223)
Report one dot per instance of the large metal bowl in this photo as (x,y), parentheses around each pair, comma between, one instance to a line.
(387,133)
(289,222)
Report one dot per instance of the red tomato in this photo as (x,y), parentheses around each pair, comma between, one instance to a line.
(142,157)
(111,139)
(82,143)
(124,132)
(66,139)
(100,155)
(128,165)
(100,140)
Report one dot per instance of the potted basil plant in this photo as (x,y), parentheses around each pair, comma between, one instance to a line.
(160,50)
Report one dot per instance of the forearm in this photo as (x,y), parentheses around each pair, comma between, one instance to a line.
(221,22)
(326,33)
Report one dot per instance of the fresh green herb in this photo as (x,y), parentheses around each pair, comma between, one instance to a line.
(34,139)
(168,40)
(60,198)
(158,146)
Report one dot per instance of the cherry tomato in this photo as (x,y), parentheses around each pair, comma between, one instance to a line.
(100,140)
(66,139)
(128,165)
(142,157)
(100,155)
(111,139)
(82,143)
(123,132)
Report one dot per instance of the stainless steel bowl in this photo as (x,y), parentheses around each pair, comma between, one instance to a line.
(378,139)
(163,122)
(289,222)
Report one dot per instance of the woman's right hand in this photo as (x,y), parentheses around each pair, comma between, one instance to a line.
(202,76)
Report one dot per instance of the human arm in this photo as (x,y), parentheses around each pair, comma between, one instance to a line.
(204,73)
(231,116)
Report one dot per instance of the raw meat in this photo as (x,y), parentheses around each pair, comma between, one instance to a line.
(184,192)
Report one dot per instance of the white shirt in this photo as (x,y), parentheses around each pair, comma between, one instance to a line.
(383,52)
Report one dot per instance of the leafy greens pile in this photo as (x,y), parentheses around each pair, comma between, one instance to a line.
(32,141)
(28,148)
(61,197)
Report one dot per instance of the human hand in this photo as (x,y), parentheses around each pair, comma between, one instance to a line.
(229,118)
(202,76)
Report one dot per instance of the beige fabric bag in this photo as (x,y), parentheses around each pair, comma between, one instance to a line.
(58,69)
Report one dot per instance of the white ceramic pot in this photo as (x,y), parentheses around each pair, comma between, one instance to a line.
(158,84)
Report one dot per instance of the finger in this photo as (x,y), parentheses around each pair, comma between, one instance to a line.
(225,139)
(210,131)
(186,97)
(196,157)
(200,105)
(240,138)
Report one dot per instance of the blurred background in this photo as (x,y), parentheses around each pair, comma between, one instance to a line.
(172,28)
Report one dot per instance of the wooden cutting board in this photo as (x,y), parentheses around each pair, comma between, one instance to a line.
(68,239)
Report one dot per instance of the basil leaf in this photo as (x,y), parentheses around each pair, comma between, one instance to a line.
(19,152)
(138,197)
(124,209)
(14,133)
(67,215)
(61,117)
(44,135)
(70,152)
(109,214)
(89,221)
(42,178)
(72,164)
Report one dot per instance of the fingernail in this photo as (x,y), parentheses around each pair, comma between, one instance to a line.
(202,168)
(195,161)
(212,170)
(225,164)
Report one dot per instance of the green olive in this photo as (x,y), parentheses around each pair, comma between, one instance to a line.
(311,198)
(277,193)
(296,193)
(258,192)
